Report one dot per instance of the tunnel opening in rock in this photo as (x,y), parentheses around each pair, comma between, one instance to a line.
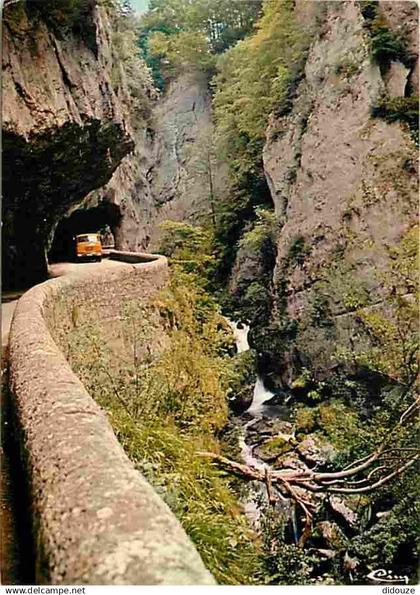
(45,175)
(102,219)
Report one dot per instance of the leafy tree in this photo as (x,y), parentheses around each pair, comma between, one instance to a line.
(186,49)
(393,328)
(222,21)
(180,33)
(254,78)
(188,246)
(57,13)
(130,75)
(204,164)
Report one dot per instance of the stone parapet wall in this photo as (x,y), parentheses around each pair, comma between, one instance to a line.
(96,520)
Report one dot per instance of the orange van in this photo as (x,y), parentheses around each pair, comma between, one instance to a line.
(88,246)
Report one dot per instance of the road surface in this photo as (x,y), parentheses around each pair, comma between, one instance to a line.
(83,268)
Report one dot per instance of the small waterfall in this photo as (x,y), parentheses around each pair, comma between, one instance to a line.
(240,333)
(261,394)
(256,410)
(259,409)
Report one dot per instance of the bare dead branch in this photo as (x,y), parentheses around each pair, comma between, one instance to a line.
(270,494)
(376,485)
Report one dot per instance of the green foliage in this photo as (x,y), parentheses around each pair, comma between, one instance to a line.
(271,340)
(201,498)
(57,13)
(257,250)
(234,212)
(385,45)
(255,303)
(204,164)
(392,540)
(284,564)
(130,76)
(13,13)
(332,421)
(188,246)
(178,34)
(392,329)
(241,377)
(347,67)
(303,380)
(263,231)
(185,50)
(166,403)
(275,447)
(251,81)
(305,419)
(341,425)
(254,78)
(319,311)
(297,251)
(221,21)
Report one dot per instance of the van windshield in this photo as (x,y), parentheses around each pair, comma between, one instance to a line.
(87,238)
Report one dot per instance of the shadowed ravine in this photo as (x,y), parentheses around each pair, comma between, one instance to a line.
(257,410)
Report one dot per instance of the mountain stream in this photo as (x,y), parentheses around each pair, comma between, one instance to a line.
(260,410)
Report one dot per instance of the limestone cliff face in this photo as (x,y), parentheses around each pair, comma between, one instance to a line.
(402,18)
(64,131)
(182,143)
(344,184)
(76,151)
(167,176)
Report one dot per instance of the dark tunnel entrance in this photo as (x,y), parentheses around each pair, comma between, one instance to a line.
(101,219)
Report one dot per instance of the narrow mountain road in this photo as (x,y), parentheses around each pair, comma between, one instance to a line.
(16,559)
(83,268)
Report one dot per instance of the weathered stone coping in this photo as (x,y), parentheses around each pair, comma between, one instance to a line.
(96,519)
(133,257)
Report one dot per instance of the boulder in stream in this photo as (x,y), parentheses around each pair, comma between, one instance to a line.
(265,428)
(315,452)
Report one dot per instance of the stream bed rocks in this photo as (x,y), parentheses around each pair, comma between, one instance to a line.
(269,441)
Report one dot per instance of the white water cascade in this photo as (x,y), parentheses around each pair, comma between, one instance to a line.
(261,394)
(256,410)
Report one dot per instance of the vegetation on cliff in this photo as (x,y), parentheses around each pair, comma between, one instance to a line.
(177,34)
(364,417)
(353,428)
(167,403)
(353,411)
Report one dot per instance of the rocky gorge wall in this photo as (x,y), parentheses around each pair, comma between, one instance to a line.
(64,129)
(166,178)
(76,141)
(95,519)
(344,184)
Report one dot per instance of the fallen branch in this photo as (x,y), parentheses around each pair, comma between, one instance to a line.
(360,477)
(272,499)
